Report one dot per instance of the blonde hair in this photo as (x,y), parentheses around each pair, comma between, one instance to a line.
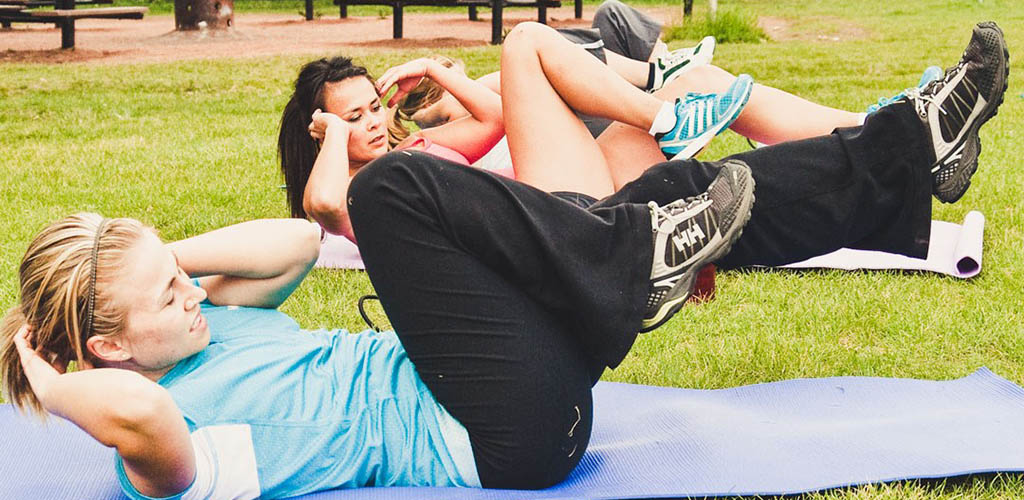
(425,94)
(54,280)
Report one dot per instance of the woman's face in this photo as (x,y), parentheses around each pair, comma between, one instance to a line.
(355,101)
(163,324)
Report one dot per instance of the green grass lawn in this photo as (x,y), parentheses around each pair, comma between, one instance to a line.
(190,146)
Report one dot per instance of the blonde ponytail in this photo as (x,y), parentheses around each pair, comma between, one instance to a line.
(16,387)
(425,94)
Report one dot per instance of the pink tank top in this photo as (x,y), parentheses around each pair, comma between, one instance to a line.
(421,143)
(427,146)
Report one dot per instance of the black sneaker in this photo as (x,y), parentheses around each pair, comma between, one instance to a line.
(955,107)
(691,233)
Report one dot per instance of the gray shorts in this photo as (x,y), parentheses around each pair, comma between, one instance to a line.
(619,28)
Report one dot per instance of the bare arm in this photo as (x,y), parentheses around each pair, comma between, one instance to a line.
(121,409)
(327,188)
(256,263)
(472,136)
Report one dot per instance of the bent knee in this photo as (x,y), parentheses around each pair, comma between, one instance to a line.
(528,35)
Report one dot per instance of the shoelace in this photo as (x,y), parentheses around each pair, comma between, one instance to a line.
(885,101)
(662,214)
(921,98)
(926,93)
(674,58)
(694,96)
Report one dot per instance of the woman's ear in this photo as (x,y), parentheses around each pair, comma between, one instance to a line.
(107,348)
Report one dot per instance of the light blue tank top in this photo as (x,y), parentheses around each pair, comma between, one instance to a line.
(322,409)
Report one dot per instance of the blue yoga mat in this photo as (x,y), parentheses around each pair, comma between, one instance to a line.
(648,442)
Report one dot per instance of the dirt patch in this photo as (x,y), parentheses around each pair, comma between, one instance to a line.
(820,28)
(54,56)
(153,39)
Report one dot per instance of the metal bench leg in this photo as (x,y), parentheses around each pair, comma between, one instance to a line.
(67,34)
(496,21)
(5,24)
(309,10)
(343,13)
(472,13)
(542,14)
(398,20)
(579,9)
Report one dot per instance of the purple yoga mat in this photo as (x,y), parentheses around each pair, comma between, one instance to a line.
(769,439)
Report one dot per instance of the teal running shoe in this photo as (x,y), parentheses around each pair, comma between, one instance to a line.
(700,117)
(931,73)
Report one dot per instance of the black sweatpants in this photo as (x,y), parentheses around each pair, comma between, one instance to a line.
(510,301)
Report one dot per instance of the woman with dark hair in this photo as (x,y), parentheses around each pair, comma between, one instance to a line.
(335,123)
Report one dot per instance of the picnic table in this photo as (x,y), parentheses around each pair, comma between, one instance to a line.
(496,7)
(63,14)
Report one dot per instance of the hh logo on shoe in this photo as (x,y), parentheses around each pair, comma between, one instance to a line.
(688,238)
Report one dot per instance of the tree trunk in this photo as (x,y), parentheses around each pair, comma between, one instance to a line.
(192,15)
(712,7)
(687,8)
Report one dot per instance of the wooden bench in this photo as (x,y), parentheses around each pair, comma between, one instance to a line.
(496,7)
(64,15)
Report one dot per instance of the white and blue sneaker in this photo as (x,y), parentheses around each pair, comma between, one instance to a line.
(691,233)
(678,62)
(700,117)
(931,73)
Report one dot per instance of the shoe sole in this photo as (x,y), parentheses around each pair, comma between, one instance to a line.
(704,139)
(954,189)
(670,307)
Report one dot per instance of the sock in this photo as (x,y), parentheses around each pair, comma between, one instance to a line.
(863,118)
(650,76)
(665,120)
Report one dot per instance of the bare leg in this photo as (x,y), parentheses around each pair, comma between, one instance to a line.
(550,148)
(581,80)
(635,72)
(628,151)
(771,115)
(544,77)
